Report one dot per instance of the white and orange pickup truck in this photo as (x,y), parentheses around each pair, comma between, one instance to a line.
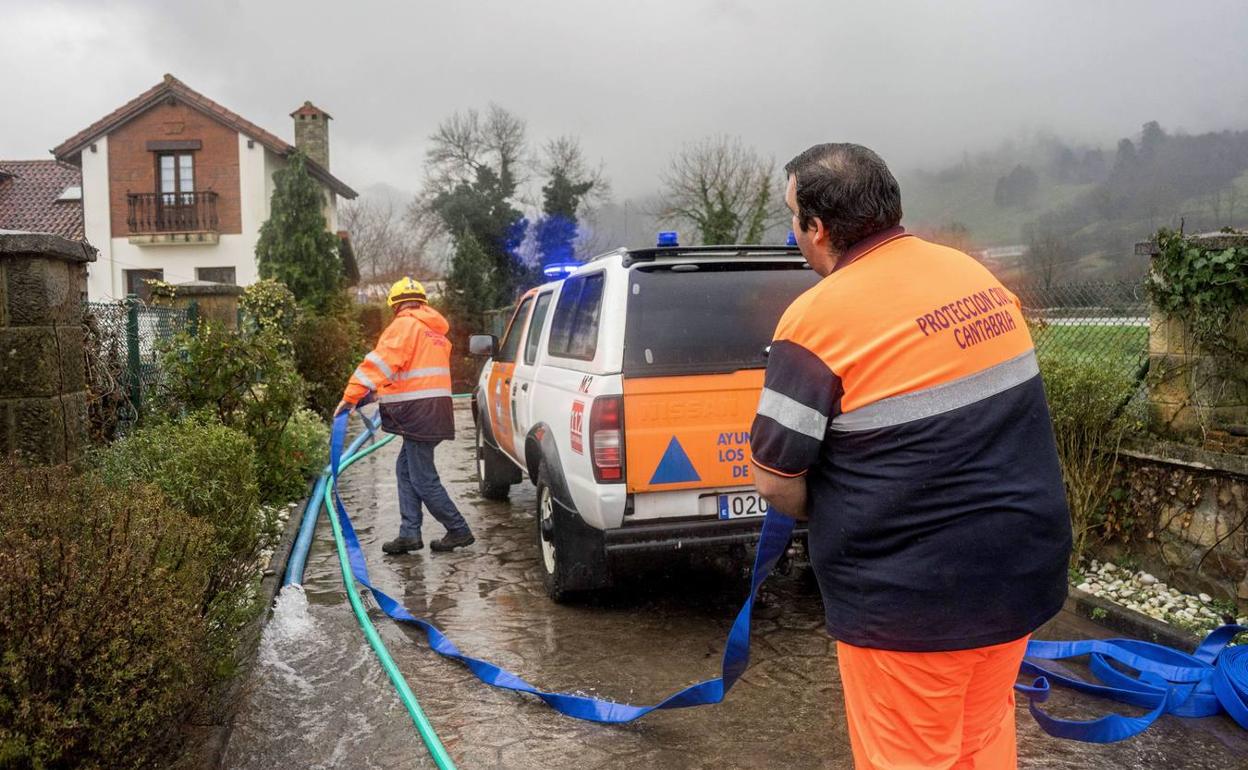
(625,391)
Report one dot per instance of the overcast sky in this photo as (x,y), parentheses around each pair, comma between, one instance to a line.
(920,82)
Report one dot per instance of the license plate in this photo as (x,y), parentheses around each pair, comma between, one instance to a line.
(742,505)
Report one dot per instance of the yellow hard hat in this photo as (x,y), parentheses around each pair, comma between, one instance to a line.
(406,290)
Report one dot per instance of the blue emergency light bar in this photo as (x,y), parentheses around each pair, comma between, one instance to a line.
(560,269)
(791,240)
(668,238)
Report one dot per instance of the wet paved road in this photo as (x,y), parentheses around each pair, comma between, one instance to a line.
(318,698)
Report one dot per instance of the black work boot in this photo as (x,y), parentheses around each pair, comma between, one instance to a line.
(453,540)
(403,545)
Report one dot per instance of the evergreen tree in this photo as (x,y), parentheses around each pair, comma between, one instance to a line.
(295,247)
(350,265)
(471,285)
(481,210)
(557,230)
(570,183)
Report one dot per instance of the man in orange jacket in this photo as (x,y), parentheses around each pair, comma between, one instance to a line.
(903,415)
(409,374)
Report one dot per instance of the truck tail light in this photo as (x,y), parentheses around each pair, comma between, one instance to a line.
(606,439)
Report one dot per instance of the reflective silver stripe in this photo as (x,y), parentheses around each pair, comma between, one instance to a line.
(414,395)
(364,379)
(793,414)
(940,398)
(381,364)
(432,371)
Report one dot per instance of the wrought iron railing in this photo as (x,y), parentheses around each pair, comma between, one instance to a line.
(189,212)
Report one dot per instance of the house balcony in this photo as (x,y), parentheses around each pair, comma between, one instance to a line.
(173,218)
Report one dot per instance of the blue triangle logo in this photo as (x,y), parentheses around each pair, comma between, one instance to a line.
(675,467)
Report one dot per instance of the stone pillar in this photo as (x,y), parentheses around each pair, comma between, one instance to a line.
(43,385)
(1191,391)
(215,303)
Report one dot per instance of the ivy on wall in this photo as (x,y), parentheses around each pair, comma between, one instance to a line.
(1201,284)
(1206,288)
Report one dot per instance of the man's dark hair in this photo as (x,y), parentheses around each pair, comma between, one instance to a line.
(849,188)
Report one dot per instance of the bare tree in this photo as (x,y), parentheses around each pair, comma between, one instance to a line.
(388,244)
(468,142)
(563,156)
(726,190)
(1048,254)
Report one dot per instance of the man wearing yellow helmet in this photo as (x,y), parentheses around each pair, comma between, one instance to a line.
(409,374)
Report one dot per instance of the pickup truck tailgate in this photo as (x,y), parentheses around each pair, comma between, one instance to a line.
(689,431)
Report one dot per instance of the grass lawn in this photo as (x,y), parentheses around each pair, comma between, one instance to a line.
(1120,346)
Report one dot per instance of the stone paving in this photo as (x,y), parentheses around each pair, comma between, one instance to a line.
(319,699)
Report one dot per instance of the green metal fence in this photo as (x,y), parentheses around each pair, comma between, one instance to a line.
(495,321)
(123,347)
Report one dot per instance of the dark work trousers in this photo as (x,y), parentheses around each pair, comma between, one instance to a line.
(419,484)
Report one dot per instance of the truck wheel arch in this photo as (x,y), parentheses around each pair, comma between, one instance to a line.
(540,444)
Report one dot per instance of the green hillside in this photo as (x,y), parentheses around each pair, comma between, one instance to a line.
(1080,210)
(935,201)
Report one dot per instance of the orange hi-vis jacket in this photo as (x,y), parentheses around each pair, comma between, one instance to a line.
(409,372)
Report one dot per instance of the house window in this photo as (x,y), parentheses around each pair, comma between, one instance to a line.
(215,274)
(135,282)
(177,177)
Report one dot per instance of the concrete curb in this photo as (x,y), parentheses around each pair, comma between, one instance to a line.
(1134,624)
(205,747)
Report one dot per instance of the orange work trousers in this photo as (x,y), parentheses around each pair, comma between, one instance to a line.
(931,710)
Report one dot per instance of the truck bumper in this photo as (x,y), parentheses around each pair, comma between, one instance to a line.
(677,536)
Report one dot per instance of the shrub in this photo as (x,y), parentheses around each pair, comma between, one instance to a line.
(209,471)
(247,381)
(269,305)
(373,318)
(302,451)
(327,349)
(102,646)
(1086,403)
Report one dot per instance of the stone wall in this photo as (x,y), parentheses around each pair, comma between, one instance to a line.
(43,388)
(1188,509)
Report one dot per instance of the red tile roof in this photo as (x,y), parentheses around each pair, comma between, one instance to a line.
(309,108)
(171,86)
(29,190)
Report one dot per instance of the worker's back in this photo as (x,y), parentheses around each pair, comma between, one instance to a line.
(415,356)
(938,515)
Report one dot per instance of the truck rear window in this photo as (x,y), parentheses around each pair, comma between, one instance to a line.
(706,318)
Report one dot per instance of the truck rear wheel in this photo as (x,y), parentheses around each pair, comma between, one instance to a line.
(493,477)
(571,554)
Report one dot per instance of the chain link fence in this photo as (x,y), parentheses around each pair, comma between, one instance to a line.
(1101,324)
(1094,324)
(123,346)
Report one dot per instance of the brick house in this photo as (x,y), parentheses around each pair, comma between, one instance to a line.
(174,186)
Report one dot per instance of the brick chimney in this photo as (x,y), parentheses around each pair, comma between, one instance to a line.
(312,132)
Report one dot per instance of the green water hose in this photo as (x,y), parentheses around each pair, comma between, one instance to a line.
(440,756)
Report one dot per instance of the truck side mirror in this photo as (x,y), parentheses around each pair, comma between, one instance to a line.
(483,345)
